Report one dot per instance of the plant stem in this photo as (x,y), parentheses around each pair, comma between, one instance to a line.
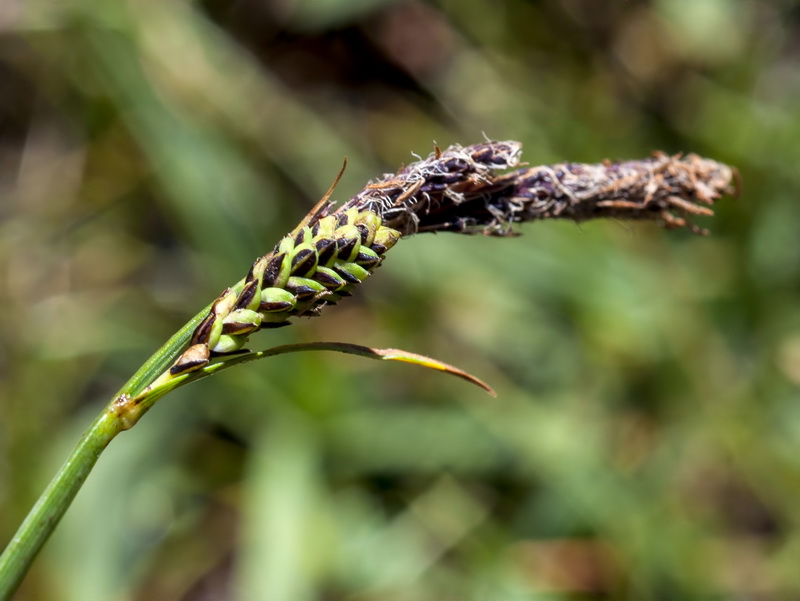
(53,503)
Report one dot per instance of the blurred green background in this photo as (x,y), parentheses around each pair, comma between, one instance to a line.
(646,439)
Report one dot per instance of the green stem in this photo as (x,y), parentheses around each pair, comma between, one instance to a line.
(119,415)
(53,503)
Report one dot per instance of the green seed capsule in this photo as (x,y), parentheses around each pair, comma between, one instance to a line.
(258,269)
(214,332)
(202,332)
(284,272)
(304,235)
(325,227)
(348,241)
(286,248)
(329,278)
(385,238)
(304,288)
(241,321)
(326,250)
(286,245)
(276,320)
(229,344)
(367,258)
(250,296)
(351,272)
(276,300)
(273,270)
(304,259)
(347,217)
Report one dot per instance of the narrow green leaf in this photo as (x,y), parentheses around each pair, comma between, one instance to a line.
(162,386)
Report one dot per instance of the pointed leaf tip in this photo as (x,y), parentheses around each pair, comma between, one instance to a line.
(393,354)
(376,353)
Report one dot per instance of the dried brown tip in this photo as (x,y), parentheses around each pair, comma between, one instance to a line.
(445,178)
(666,189)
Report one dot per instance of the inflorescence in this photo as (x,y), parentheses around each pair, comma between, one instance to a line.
(456,190)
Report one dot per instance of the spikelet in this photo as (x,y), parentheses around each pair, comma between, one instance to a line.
(455,190)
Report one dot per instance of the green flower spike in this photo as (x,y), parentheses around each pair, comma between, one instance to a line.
(319,263)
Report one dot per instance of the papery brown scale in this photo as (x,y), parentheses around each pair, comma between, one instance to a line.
(303,262)
(326,250)
(301,291)
(202,332)
(193,358)
(346,276)
(329,280)
(346,247)
(300,237)
(367,261)
(272,270)
(274,306)
(364,231)
(235,328)
(248,293)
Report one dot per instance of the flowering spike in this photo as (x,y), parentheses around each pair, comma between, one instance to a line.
(456,189)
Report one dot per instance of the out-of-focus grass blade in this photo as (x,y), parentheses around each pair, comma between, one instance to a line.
(281,543)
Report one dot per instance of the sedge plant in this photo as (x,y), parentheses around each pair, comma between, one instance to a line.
(473,189)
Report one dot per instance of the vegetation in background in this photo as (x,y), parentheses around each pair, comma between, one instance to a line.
(643,444)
